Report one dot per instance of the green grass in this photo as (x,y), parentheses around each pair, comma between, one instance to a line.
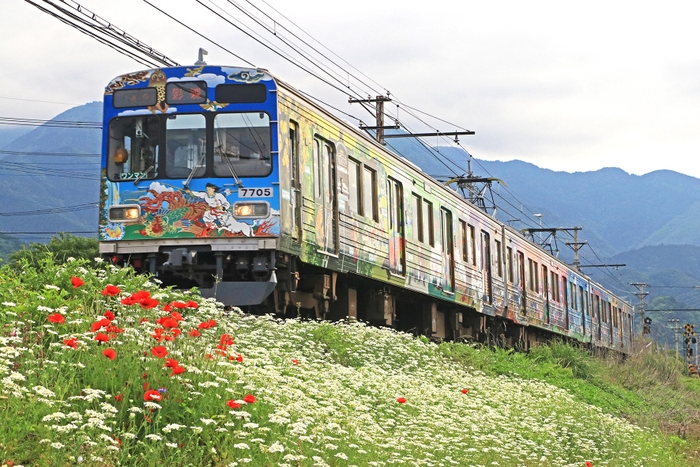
(324,393)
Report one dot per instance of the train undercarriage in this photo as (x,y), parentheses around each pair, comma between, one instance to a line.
(266,281)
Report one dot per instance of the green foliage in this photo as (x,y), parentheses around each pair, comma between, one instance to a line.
(59,248)
(566,356)
(336,394)
(8,245)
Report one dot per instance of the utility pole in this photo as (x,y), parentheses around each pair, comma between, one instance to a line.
(379,116)
(576,246)
(646,327)
(380,127)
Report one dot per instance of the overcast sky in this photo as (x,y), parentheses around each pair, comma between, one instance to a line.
(568,86)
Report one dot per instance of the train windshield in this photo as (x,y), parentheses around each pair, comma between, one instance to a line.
(186,146)
(242,144)
(134,144)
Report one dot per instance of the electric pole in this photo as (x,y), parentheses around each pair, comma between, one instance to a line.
(646,326)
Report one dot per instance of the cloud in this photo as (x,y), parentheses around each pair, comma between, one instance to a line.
(126,113)
(159,187)
(211,79)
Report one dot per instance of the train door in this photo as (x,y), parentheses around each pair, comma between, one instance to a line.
(326,199)
(295,180)
(397,244)
(448,262)
(486,266)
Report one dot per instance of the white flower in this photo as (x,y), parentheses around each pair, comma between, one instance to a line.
(153,437)
(277,447)
(241,446)
(9,304)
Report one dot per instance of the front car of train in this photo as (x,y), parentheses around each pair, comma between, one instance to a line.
(190,179)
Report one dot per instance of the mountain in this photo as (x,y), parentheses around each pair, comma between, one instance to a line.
(49,169)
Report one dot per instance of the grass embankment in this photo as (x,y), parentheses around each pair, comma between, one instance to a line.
(102,368)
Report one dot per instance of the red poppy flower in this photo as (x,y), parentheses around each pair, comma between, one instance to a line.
(175,332)
(192,304)
(249,398)
(148,303)
(97,325)
(589,464)
(171,363)
(207,324)
(225,341)
(178,370)
(168,322)
(118,398)
(110,291)
(101,337)
(194,333)
(152,395)
(233,404)
(295,361)
(109,315)
(76,281)
(176,315)
(208,357)
(159,351)
(109,353)
(143,320)
(57,318)
(239,358)
(401,400)
(72,342)
(179,304)
(465,391)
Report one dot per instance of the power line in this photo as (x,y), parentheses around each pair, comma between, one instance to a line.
(49,123)
(57,210)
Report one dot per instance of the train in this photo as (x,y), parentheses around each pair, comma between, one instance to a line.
(232,181)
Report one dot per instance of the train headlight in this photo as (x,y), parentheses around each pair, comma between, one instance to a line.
(125,213)
(259,210)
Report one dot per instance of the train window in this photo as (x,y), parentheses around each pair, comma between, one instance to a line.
(355,186)
(417,218)
(511,271)
(555,286)
(317,169)
(533,272)
(185,146)
(499,259)
(563,287)
(465,243)
(134,144)
(369,194)
(242,145)
(472,244)
(240,93)
(545,283)
(582,305)
(428,222)
(572,295)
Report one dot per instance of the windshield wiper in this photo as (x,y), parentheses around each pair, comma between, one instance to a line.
(143,174)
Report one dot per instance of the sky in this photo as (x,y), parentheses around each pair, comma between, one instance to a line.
(567,86)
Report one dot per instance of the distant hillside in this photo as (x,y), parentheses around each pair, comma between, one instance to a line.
(30,181)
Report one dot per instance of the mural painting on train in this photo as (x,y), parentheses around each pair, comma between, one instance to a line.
(182,199)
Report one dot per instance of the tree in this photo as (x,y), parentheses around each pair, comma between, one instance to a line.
(61,248)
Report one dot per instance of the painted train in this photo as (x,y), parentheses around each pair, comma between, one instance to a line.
(229,180)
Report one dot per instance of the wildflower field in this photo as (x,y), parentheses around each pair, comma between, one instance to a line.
(101,367)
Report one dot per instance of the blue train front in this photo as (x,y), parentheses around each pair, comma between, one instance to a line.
(190,179)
